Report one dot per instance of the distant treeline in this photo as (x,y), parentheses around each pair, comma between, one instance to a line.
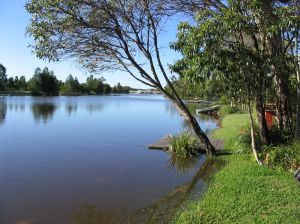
(45,83)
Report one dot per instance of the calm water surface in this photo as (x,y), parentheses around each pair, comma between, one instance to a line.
(84,160)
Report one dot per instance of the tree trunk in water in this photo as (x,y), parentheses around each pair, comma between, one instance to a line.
(184,111)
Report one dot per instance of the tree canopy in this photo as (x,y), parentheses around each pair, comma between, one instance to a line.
(3,77)
(44,82)
(250,49)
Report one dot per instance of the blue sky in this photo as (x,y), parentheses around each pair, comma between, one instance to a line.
(19,60)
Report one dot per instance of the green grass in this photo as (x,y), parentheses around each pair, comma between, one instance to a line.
(231,128)
(244,192)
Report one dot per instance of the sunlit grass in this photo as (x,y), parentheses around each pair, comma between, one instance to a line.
(244,192)
(231,128)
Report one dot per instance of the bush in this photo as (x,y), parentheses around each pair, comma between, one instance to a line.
(285,157)
(227,109)
(184,144)
(243,143)
(224,100)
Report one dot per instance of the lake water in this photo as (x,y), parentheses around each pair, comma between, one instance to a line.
(84,160)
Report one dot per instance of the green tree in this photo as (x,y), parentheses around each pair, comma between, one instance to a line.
(92,85)
(22,83)
(44,82)
(237,38)
(109,35)
(10,84)
(3,77)
(120,89)
(71,86)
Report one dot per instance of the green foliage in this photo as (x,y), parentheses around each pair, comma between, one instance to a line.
(120,89)
(18,84)
(223,100)
(3,77)
(184,144)
(243,143)
(227,109)
(205,45)
(224,47)
(96,86)
(71,86)
(44,82)
(285,157)
(202,90)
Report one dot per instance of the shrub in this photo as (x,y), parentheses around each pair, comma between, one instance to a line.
(227,109)
(243,143)
(285,157)
(184,144)
(279,137)
(224,100)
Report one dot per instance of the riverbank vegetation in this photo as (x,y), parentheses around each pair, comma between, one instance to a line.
(184,144)
(244,192)
(45,83)
(245,54)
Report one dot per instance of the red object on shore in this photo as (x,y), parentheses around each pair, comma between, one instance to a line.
(269,119)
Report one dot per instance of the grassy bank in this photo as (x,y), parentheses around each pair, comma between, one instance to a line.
(244,192)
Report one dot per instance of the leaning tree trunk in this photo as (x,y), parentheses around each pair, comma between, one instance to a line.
(184,111)
(175,98)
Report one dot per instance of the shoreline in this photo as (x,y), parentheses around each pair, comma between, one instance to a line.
(249,193)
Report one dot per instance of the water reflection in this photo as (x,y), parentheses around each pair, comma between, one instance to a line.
(3,110)
(171,109)
(90,214)
(100,159)
(182,165)
(43,112)
(161,210)
(16,107)
(43,109)
(71,108)
(94,107)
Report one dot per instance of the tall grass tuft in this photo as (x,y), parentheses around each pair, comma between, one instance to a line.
(184,144)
